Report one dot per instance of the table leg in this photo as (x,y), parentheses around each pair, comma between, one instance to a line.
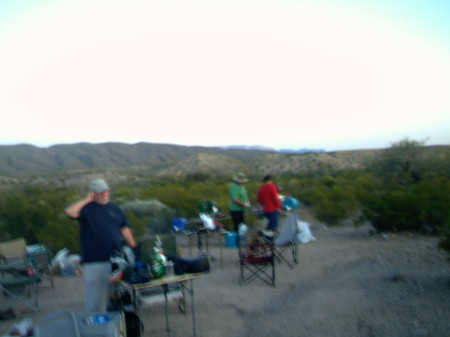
(220,247)
(137,307)
(166,307)
(194,332)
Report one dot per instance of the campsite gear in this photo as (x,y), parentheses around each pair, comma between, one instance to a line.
(157,264)
(197,264)
(286,243)
(134,325)
(140,273)
(7,314)
(98,319)
(178,224)
(169,268)
(304,235)
(122,301)
(256,259)
(290,204)
(208,222)
(208,207)
(242,233)
(22,267)
(60,323)
(13,250)
(40,257)
(111,324)
(18,280)
(231,239)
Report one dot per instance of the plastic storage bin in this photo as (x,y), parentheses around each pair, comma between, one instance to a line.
(178,224)
(90,326)
(57,324)
(231,240)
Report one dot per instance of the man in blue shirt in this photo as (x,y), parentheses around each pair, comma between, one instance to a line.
(103,228)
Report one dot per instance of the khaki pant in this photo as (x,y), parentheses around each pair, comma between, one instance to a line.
(96,286)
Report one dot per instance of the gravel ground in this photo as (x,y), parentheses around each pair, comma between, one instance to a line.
(350,282)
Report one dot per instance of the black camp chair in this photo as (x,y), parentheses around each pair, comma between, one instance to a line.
(256,258)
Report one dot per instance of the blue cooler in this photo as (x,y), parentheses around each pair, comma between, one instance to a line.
(231,240)
(178,224)
(290,204)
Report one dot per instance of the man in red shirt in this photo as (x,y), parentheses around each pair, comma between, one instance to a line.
(268,198)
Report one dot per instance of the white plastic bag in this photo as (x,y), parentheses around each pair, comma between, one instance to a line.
(304,235)
(23,328)
(208,222)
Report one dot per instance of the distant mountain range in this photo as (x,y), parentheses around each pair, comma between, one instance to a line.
(249,147)
(23,158)
(69,164)
(305,150)
(264,148)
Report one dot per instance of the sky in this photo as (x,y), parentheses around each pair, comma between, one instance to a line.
(321,74)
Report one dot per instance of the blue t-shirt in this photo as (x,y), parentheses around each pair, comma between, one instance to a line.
(100,231)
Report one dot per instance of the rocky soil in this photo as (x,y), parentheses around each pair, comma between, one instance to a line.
(350,282)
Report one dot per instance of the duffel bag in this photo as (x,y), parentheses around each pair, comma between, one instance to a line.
(182,265)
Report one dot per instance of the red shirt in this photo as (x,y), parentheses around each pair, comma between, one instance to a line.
(268,197)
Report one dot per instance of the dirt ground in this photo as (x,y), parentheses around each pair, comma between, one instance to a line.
(350,282)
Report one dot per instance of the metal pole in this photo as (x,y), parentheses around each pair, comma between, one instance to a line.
(194,332)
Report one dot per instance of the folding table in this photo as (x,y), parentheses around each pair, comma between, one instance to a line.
(164,283)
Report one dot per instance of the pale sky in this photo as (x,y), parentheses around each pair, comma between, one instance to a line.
(334,75)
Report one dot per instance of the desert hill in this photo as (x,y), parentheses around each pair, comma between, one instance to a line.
(24,158)
(65,165)
(204,163)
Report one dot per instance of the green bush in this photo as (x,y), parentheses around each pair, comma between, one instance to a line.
(405,188)
(444,238)
(411,194)
(148,216)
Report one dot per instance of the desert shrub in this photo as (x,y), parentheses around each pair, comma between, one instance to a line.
(144,208)
(422,207)
(401,164)
(444,239)
(37,215)
(410,195)
(150,216)
(62,233)
(336,204)
(393,210)
(332,198)
(433,207)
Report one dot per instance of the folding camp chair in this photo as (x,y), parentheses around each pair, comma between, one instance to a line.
(256,257)
(13,250)
(41,257)
(286,243)
(20,270)
(19,280)
(38,255)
